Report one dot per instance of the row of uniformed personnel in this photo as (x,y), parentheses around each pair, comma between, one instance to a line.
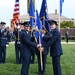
(27,46)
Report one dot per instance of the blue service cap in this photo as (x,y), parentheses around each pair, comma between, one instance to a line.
(26,23)
(3,23)
(51,22)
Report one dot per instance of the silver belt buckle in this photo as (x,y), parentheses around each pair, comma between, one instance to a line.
(18,42)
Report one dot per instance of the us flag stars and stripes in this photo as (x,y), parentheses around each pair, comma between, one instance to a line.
(16,14)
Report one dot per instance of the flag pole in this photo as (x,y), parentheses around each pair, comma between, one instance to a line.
(18,23)
(40,53)
(40,46)
(59,15)
(41,60)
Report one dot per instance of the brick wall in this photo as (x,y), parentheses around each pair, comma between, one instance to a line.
(71,31)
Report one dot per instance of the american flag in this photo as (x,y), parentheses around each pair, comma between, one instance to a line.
(16,14)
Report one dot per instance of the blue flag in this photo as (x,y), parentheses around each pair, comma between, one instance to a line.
(42,11)
(44,15)
(40,38)
(61,3)
(39,26)
(38,23)
(47,25)
(31,13)
(37,34)
(28,5)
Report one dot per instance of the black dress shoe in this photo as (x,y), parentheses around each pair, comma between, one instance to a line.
(42,73)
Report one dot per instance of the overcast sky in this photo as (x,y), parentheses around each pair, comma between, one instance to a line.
(7,7)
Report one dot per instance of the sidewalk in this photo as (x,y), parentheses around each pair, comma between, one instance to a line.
(61,42)
(68,43)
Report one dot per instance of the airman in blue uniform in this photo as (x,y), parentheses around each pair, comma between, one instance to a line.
(26,44)
(3,41)
(67,36)
(18,45)
(55,47)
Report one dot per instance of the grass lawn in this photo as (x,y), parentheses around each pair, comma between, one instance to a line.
(67,62)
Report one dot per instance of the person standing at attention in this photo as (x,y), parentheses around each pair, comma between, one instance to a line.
(3,41)
(67,36)
(55,47)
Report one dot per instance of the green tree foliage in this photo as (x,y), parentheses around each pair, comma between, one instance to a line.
(66,24)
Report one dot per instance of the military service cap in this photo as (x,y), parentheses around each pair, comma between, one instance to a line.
(26,23)
(51,22)
(3,23)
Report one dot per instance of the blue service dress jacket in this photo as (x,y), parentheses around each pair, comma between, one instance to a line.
(3,37)
(55,43)
(26,43)
(45,39)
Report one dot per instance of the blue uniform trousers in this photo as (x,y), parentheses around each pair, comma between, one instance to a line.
(18,54)
(33,56)
(67,39)
(25,65)
(2,54)
(56,65)
(44,56)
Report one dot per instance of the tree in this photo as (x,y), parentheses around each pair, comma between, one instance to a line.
(66,24)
